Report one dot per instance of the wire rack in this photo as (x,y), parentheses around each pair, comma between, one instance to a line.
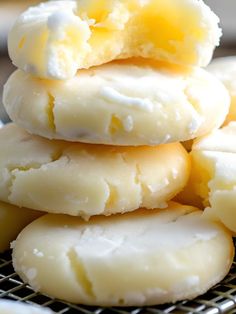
(220,299)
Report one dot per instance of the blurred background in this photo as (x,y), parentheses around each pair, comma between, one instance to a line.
(10,9)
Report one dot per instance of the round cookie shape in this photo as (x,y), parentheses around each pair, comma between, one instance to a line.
(225,70)
(83,179)
(10,307)
(12,220)
(213,176)
(135,259)
(134,102)
(56,38)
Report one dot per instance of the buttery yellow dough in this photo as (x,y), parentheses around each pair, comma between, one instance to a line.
(225,70)
(134,102)
(135,259)
(12,221)
(213,175)
(82,179)
(55,38)
(10,307)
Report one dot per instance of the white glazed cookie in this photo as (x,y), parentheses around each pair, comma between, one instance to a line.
(213,175)
(225,70)
(135,259)
(10,307)
(55,38)
(134,102)
(12,220)
(83,179)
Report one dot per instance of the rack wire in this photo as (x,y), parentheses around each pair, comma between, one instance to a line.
(220,299)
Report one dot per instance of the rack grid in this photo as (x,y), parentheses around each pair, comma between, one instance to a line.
(220,299)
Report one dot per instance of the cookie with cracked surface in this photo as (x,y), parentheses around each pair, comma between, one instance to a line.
(213,176)
(10,307)
(12,220)
(225,70)
(56,38)
(142,258)
(84,179)
(134,102)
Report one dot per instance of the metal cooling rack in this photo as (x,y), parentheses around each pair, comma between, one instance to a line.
(220,299)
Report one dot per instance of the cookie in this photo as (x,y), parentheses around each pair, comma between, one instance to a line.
(133,102)
(225,70)
(83,179)
(10,307)
(142,258)
(56,38)
(213,175)
(12,220)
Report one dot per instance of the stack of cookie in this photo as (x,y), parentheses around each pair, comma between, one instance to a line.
(104,93)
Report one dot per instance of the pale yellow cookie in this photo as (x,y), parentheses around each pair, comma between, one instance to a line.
(56,38)
(12,220)
(10,307)
(135,259)
(225,70)
(133,102)
(213,175)
(83,179)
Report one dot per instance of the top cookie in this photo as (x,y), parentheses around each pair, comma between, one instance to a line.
(56,38)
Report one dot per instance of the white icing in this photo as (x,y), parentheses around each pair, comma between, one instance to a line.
(192,281)
(158,186)
(166,182)
(206,236)
(74,200)
(112,95)
(44,10)
(195,124)
(169,231)
(58,19)
(11,307)
(175,173)
(1,124)
(128,124)
(186,283)
(177,115)
(166,139)
(31,273)
(38,253)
